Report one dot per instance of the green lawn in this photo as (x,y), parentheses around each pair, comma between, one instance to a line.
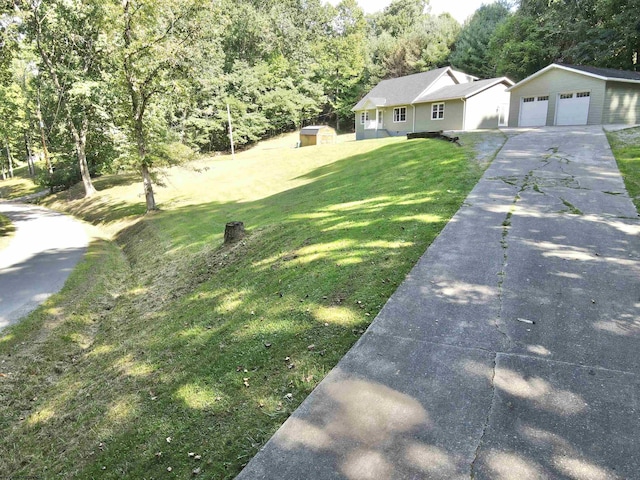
(626,148)
(165,343)
(6,231)
(20,185)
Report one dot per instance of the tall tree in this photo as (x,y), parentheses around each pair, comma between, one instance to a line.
(9,39)
(13,122)
(602,33)
(67,35)
(471,52)
(153,56)
(401,15)
(520,48)
(342,59)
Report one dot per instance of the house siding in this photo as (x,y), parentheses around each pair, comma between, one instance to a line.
(482,109)
(622,103)
(444,81)
(389,128)
(400,128)
(554,82)
(453,115)
(359,127)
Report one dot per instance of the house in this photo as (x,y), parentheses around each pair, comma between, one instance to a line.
(441,99)
(561,94)
(317,135)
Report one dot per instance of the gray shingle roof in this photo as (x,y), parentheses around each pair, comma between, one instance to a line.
(402,90)
(312,129)
(463,90)
(611,73)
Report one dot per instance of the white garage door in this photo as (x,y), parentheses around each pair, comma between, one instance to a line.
(573,108)
(533,111)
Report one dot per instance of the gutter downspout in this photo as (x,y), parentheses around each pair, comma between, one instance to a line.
(376,120)
(414,119)
(464,113)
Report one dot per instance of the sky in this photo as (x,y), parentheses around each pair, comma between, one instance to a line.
(459,9)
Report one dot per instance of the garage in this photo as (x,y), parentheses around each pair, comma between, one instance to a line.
(573,108)
(562,94)
(533,111)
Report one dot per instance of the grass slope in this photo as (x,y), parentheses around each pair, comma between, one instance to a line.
(626,148)
(6,231)
(20,185)
(165,342)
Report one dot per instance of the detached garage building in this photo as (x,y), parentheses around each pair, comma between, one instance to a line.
(575,95)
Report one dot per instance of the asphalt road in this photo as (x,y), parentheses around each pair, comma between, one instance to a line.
(45,248)
(510,352)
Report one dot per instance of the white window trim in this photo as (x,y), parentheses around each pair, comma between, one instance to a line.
(437,112)
(364,117)
(397,109)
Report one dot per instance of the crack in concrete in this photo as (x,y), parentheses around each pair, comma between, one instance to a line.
(571,208)
(508,179)
(485,427)
(502,274)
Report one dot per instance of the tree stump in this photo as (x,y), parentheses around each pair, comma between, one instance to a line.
(233,232)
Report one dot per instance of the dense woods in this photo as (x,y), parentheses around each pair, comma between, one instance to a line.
(96,86)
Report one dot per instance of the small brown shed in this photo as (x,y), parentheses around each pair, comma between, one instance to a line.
(317,135)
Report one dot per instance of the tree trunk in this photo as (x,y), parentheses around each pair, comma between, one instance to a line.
(45,151)
(80,139)
(27,146)
(9,157)
(233,232)
(148,189)
(337,113)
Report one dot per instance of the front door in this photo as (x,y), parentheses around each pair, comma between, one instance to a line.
(503,114)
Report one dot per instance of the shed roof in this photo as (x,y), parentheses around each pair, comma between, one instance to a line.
(594,72)
(313,129)
(463,90)
(401,90)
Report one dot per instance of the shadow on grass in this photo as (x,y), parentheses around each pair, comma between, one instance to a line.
(16,190)
(214,347)
(6,227)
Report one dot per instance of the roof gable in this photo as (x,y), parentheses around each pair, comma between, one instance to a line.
(401,90)
(605,74)
(463,90)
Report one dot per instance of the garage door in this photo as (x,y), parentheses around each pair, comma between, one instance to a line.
(573,108)
(533,111)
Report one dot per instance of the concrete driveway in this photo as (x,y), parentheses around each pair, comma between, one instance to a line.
(511,351)
(46,247)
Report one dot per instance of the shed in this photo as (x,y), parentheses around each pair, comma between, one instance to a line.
(562,94)
(317,135)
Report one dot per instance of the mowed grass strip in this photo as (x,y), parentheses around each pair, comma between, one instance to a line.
(625,145)
(167,343)
(6,231)
(20,185)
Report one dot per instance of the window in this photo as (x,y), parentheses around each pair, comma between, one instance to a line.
(437,111)
(583,94)
(566,95)
(364,117)
(543,98)
(529,99)
(400,114)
